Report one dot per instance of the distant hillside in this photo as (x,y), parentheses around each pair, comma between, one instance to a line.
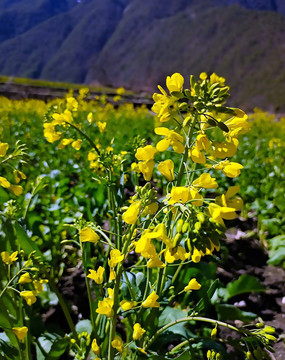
(135,43)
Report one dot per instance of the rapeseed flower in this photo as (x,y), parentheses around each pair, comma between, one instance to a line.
(171,138)
(95,347)
(97,276)
(150,301)
(9,259)
(3,148)
(29,296)
(117,343)
(88,235)
(115,258)
(205,181)
(138,331)
(20,332)
(166,168)
(127,305)
(131,215)
(25,278)
(192,285)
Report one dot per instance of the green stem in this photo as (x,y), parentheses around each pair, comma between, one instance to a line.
(189,318)
(64,309)
(113,322)
(86,137)
(185,155)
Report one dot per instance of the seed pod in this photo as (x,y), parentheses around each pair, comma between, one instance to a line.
(188,245)
(179,225)
(177,239)
(201,217)
(185,227)
(197,226)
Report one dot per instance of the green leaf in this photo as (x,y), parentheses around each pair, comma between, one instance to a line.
(169,315)
(58,347)
(9,350)
(177,94)
(244,284)
(25,242)
(207,296)
(231,312)
(277,257)
(83,325)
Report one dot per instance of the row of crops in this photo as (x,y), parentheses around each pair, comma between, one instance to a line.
(112,222)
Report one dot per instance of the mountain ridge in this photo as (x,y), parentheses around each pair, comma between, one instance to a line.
(136,44)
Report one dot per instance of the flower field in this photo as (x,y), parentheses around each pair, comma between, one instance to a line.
(114,218)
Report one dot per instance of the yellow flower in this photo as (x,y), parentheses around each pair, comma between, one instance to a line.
(162,105)
(19,175)
(166,168)
(105,307)
(4,182)
(120,91)
(39,285)
(7,258)
(115,258)
(20,332)
(179,194)
(101,126)
(138,331)
(16,189)
(90,118)
(131,215)
(205,181)
(3,148)
(145,247)
(195,198)
(175,82)
(155,262)
(112,275)
(171,138)
(150,209)
(64,143)
(227,199)
(145,153)
(203,76)
(192,285)
(29,296)
(95,347)
(230,169)
(25,278)
(197,156)
(218,213)
(180,254)
(50,133)
(135,167)
(150,301)
(127,305)
(88,234)
(117,343)
(225,149)
(146,167)
(196,256)
(214,78)
(76,144)
(202,142)
(72,103)
(97,276)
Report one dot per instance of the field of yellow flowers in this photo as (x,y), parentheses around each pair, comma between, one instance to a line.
(113,226)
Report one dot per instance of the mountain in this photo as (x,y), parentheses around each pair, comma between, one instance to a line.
(135,43)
